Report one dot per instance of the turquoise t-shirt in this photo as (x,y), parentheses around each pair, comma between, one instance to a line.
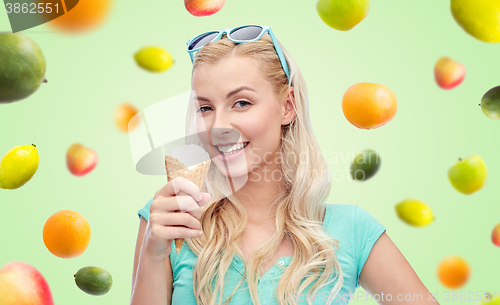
(356,229)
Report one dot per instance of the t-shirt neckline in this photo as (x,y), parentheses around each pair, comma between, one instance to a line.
(284,260)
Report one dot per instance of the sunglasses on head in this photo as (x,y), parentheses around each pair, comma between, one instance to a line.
(241,34)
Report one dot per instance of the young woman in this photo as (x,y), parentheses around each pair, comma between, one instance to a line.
(274,240)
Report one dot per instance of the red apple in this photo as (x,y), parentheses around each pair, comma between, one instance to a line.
(495,235)
(80,159)
(201,8)
(22,284)
(448,73)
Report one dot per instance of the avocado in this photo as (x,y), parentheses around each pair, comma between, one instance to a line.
(22,67)
(93,280)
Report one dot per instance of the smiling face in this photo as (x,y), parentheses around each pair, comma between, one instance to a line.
(236,104)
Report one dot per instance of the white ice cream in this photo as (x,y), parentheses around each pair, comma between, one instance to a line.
(190,155)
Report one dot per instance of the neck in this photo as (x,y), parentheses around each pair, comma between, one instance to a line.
(259,192)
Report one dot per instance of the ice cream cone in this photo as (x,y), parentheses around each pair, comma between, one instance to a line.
(175,169)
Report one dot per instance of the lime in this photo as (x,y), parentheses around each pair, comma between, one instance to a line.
(18,166)
(22,67)
(490,103)
(93,280)
(153,59)
(365,165)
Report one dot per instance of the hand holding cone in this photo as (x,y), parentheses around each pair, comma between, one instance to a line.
(175,169)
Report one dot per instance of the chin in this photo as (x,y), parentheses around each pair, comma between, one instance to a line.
(237,170)
(236,177)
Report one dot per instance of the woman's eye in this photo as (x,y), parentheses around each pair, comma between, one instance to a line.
(203,109)
(242,103)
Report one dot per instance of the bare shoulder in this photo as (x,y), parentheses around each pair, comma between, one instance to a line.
(387,271)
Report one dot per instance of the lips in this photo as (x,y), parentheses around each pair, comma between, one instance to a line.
(230,145)
(233,154)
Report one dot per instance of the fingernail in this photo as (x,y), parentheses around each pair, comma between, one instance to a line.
(200,197)
(201,233)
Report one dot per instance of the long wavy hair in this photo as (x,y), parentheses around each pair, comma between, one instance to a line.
(300,205)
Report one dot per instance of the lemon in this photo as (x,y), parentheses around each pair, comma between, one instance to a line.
(479,18)
(153,59)
(18,166)
(414,212)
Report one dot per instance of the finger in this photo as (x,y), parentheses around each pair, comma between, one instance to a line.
(187,204)
(181,232)
(176,232)
(177,185)
(206,199)
(197,212)
(173,204)
(176,219)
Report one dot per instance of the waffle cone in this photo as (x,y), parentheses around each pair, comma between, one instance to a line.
(175,169)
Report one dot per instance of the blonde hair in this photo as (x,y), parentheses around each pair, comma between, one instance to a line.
(300,206)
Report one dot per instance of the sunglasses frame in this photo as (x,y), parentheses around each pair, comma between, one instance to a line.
(265,29)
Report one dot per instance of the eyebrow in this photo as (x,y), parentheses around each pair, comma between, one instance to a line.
(229,94)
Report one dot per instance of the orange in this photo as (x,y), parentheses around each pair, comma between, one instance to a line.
(85,16)
(368,105)
(123,114)
(66,234)
(453,272)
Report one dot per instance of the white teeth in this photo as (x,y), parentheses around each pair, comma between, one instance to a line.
(229,150)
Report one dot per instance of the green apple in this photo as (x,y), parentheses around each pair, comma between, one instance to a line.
(342,15)
(479,18)
(490,299)
(469,175)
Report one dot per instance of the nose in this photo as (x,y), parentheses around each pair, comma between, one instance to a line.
(221,124)
(222,129)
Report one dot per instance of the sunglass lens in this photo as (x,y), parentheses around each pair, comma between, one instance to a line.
(246,33)
(202,40)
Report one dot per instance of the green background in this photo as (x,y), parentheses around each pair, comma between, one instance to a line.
(396,45)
